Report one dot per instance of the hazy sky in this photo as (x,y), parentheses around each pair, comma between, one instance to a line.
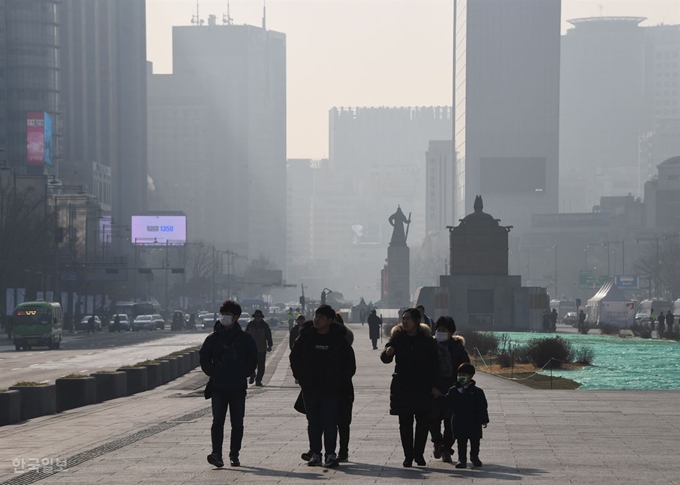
(360,52)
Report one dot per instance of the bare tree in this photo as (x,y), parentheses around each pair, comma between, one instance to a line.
(661,262)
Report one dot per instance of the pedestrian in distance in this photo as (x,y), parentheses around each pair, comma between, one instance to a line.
(662,321)
(470,414)
(294,332)
(425,319)
(670,320)
(581,322)
(291,318)
(116,323)
(90,324)
(228,356)
(374,327)
(553,320)
(262,334)
(322,360)
(451,352)
(546,321)
(652,319)
(414,380)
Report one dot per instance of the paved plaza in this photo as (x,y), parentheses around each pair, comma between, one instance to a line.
(534,437)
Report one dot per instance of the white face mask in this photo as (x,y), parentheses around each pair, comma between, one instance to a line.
(441,336)
(225,320)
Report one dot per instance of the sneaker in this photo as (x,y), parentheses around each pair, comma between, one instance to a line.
(252,379)
(331,461)
(258,383)
(476,461)
(437,451)
(315,460)
(215,460)
(446,457)
(234,461)
(306,456)
(461,464)
(420,461)
(343,457)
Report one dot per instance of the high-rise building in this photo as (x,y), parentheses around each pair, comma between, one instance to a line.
(29,83)
(620,107)
(506,107)
(439,187)
(299,187)
(226,104)
(102,62)
(382,150)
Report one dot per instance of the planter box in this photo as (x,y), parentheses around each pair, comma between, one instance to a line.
(37,401)
(182,365)
(194,353)
(110,385)
(153,376)
(165,371)
(174,369)
(75,393)
(136,379)
(10,407)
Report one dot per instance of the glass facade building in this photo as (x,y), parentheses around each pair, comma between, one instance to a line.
(29,76)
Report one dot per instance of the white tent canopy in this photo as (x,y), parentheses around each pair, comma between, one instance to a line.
(610,305)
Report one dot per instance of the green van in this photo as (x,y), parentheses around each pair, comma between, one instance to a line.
(37,323)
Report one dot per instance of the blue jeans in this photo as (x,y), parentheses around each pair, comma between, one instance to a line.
(235,401)
(322,420)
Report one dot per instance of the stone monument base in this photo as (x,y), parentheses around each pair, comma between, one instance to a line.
(398,276)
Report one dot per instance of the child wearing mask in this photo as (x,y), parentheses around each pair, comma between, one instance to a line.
(470,414)
(452,353)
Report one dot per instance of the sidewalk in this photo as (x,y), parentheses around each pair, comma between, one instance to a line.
(536,437)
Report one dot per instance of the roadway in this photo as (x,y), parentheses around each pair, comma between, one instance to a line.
(87,353)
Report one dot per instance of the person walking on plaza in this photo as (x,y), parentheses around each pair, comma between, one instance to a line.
(346,401)
(546,321)
(414,380)
(581,322)
(553,320)
(262,334)
(291,318)
(90,324)
(670,320)
(322,360)
(228,356)
(294,332)
(116,323)
(662,320)
(470,414)
(424,318)
(374,326)
(452,353)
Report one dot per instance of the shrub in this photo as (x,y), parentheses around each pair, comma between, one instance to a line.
(609,329)
(75,376)
(29,384)
(641,331)
(485,342)
(584,329)
(584,354)
(551,351)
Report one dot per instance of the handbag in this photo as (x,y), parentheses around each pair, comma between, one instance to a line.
(207,392)
(299,405)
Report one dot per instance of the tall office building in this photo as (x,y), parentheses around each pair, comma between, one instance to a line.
(440,178)
(29,83)
(381,150)
(506,107)
(228,89)
(103,73)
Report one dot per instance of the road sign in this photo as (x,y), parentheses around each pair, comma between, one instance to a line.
(589,281)
(69,276)
(627,282)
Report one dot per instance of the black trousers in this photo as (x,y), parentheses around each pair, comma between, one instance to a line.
(414,447)
(446,440)
(261,359)
(344,420)
(236,403)
(322,420)
(375,342)
(462,448)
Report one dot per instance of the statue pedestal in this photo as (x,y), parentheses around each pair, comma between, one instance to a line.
(398,276)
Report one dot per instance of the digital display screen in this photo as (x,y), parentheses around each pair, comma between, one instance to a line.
(159,230)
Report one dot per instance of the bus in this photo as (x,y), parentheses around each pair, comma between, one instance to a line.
(145,308)
(37,323)
(123,307)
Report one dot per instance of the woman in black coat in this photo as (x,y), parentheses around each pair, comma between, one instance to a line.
(413,383)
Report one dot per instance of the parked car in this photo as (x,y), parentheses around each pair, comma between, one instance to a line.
(642,319)
(124,322)
(208,320)
(159,321)
(84,323)
(244,319)
(143,322)
(571,318)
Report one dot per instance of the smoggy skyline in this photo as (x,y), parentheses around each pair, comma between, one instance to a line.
(360,53)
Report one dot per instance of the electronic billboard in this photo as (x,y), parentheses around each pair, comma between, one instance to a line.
(159,230)
(38,138)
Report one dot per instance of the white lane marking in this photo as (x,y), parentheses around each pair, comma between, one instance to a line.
(282,367)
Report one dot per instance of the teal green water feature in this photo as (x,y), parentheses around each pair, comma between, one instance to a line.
(620,363)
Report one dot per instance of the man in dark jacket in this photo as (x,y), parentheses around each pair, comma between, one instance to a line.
(294,332)
(452,353)
(374,325)
(323,362)
(228,357)
(424,318)
(670,320)
(470,414)
(262,334)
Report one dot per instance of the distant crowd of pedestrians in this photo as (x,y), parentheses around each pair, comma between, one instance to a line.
(432,385)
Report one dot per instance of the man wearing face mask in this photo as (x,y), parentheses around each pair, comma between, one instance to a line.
(228,357)
(452,353)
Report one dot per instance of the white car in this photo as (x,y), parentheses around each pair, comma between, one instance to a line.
(208,320)
(244,319)
(143,322)
(124,322)
(84,323)
(158,321)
